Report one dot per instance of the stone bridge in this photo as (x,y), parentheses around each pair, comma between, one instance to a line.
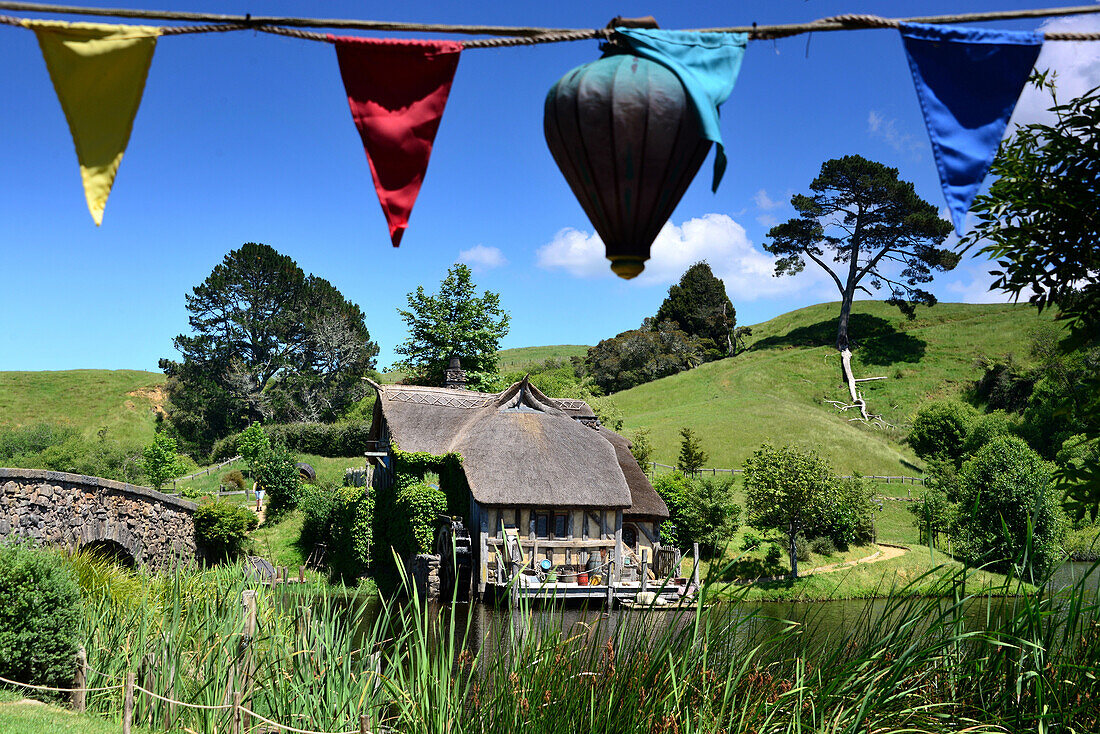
(75,511)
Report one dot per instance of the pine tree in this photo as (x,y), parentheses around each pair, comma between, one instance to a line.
(692,456)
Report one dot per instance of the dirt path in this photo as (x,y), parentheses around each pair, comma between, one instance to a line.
(884,553)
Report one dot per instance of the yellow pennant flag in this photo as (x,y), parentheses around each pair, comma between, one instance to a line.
(99,74)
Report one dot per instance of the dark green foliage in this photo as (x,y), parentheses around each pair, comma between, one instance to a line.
(773,555)
(267,342)
(341,518)
(454,321)
(1008,511)
(934,514)
(987,427)
(335,440)
(692,457)
(698,304)
(1039,222)
(39,610)
(233,478)
(750,540)
(642,355)
(862,216)
(802,548)
(222,527)
(709,516)
(940,429)
(59,447)
(275,472)
(419,506)
(823,546)
(700,511)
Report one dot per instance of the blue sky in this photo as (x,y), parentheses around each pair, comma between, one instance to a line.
(247,137)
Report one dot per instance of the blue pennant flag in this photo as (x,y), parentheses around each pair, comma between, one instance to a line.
(707,64)
(968,81)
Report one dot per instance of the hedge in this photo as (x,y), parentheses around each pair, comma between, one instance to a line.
(340,517)
(320,439)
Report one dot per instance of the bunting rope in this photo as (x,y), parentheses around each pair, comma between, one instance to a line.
(524,35)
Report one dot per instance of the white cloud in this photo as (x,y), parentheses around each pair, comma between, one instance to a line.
(767,220)
(1077,64)
(765,202)
(886,129)
(971,284)
(716,238)
(481,258)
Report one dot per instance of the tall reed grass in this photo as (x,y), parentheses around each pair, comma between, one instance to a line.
(323,656)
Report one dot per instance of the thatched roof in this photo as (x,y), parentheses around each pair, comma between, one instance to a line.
(520,447)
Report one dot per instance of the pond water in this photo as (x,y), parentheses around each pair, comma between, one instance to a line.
(819,621)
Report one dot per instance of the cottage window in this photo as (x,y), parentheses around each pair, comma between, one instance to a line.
(542,525)
(561,525)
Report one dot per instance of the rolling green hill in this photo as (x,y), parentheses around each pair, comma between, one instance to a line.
(774,391)
(124,401)
(523,358)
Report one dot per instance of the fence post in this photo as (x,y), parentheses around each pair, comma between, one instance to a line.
(235,721)
(644,570)
(363,724)
(695,565)
(128,704)
(170,694)
(80,680)
(301,574)
(248,610)
(147,664)
(610,585)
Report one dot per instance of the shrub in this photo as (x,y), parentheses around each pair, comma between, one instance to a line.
(749,541)
(253,443)
(823,546)
(985,428)
(774,555)
(234,478)
(673,489)
(709,516)
(341,517)
(843,513)
(222,528)
(932,514)
(194,493)
(419,505)
(1004,496)
(802,548)
(277,474)
(940,429)
(641,447)
(39,612)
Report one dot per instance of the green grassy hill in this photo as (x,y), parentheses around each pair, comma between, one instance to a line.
(124,401)
(523,358)
(774,391)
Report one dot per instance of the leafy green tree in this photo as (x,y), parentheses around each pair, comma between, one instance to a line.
(253,443)
(277,474)
(701,308)
(641,447)
(454,321)
(161,460)
(267,342)
(710,516)
(1008,511)
(674,489)
(1039,222)
(862,216)
(642,355)
(222,528)
(785,490)
(940,429)
(692,456)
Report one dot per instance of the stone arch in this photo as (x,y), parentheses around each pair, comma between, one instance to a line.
(112,551)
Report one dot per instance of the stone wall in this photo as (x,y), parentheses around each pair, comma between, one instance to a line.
(57,508)
(423,569)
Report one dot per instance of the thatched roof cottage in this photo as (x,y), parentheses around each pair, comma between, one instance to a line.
(541,470)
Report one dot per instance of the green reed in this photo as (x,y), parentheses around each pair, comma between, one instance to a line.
(323,656)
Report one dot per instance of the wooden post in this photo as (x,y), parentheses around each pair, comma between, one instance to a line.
(170,713)
(644,568)
(80,680)
(618,545)
(235,720)
(695,565)
(147,664)
(610,586)
(301,574)
(248,610)
(363,724)
(128,703)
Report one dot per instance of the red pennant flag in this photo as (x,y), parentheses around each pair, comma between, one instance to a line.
(397,91)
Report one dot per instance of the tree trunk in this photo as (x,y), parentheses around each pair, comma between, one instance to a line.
(842,324)
(793,551)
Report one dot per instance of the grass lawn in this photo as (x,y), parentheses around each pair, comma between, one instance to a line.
(23,716)
(123,401)
(774,391)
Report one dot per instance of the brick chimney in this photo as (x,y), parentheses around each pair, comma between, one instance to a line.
(455,377)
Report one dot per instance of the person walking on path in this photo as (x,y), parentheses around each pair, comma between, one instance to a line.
(259,496)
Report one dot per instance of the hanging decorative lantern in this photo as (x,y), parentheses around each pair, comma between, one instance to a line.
(625,135)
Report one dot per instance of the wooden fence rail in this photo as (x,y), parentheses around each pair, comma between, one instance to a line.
(205,472)
(882,479)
